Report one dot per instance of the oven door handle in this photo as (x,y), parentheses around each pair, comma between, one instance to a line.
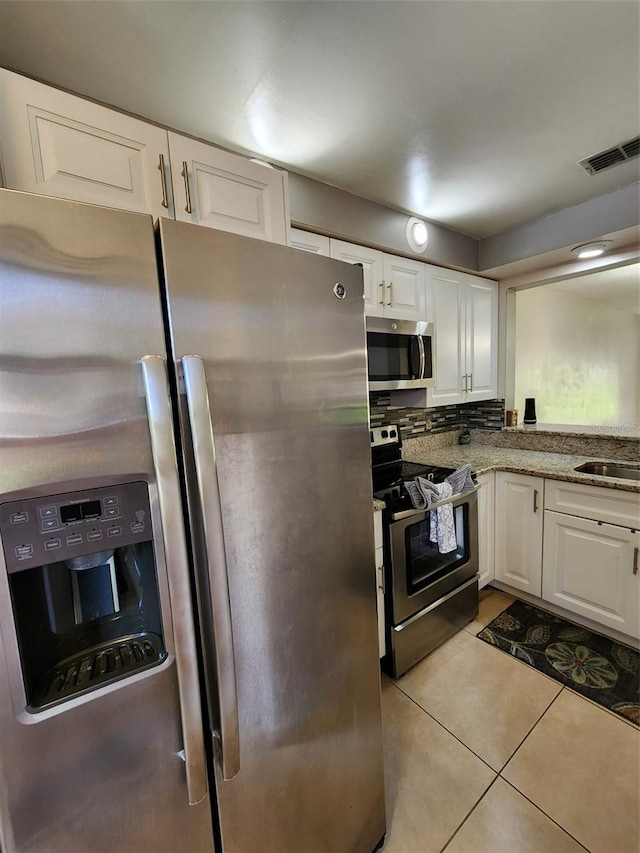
(461,497)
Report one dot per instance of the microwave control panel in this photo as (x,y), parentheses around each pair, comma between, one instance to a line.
(37,531)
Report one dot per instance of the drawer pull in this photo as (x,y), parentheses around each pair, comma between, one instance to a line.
(535,500)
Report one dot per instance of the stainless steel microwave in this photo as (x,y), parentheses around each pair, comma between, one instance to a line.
(400,354)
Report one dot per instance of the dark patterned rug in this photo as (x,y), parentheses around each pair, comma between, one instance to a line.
(595,666)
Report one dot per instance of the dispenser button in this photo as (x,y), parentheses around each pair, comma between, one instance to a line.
(137,527)
(24,552)
(52,544)
(76,539)
(112,512)
(18,517)
(48,512)
(49,524)
(114,531)
(112,500)
(94,535)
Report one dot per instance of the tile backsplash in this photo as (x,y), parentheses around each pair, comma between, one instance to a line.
(488,414)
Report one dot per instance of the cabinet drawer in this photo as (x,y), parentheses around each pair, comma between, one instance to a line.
(610,505)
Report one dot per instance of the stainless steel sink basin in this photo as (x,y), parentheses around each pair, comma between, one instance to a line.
(625,470)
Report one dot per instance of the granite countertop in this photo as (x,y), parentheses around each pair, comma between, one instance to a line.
(484,458)
(377,504)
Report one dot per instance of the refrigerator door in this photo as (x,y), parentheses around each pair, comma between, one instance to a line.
(98,766)
(269,345)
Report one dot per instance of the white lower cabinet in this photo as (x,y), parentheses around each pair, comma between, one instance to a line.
(518,531)
(486,528)
(591,568)
(377,532)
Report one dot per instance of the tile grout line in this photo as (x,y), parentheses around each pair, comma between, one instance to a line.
(542,811)
(442,726)
(515,751)
(473,808)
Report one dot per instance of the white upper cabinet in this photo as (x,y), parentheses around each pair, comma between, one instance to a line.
(372,269)
(464,311)
(307,241)
(222,190)
(404,288)
(57,144)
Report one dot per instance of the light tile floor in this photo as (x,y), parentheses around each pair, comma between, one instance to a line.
(485,755)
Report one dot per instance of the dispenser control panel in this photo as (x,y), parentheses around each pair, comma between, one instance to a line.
(45,530)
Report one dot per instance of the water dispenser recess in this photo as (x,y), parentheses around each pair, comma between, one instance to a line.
(84,591)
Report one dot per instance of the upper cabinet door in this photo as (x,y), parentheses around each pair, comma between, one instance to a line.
(306,241)
(404,287)
(60,145)
(481,339)
(445,309)
(228,192)
(372,268)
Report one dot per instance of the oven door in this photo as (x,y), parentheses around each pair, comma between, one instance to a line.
(419,574)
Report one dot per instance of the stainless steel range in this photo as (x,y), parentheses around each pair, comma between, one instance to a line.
(431,586)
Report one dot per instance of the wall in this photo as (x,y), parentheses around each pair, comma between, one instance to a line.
(578,358)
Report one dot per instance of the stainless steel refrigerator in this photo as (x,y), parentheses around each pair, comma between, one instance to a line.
(187,588)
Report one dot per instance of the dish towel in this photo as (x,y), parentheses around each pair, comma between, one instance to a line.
(423,493)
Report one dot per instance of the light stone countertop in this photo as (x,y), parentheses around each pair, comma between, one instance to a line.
(484,458)
(377,504)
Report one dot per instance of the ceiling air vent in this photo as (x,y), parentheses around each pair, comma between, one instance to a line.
(611,157)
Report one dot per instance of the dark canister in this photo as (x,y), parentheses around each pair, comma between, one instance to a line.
(530,410)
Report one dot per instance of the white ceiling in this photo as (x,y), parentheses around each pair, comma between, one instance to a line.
(467,112)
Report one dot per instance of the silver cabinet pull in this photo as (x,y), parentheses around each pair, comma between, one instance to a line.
(535,500)
(466,381)
(382,292)
(635,560)
(154,371)
(195,384)
(163,180)
(390,289)
(471,382)
(187,191)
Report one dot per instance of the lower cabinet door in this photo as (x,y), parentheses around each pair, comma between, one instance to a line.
(591,568)
(518,544)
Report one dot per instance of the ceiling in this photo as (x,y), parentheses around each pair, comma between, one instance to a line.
(469,113)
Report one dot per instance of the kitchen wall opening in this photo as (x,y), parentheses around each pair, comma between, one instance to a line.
(576,350)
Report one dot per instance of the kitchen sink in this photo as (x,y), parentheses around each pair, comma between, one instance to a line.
(625,470)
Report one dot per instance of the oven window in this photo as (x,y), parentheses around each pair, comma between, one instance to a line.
(424,562)
(392,356)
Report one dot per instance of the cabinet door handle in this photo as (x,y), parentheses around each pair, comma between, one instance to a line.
(535,500)
(187,191)
(163,180)
(382,292)
(390,288)
(635,560)
(471,382)
(466,381)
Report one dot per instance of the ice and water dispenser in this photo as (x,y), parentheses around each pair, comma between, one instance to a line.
(84,590)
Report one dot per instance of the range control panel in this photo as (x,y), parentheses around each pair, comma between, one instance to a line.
(45,530)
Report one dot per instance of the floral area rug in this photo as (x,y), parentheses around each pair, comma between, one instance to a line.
(595,666)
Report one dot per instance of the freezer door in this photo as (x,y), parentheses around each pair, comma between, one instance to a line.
(92,768)
(269,347)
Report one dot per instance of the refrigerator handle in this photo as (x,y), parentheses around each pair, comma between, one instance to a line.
(195,385)
(154,372)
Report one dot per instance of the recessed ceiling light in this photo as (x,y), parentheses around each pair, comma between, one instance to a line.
(417,234)
(592,250)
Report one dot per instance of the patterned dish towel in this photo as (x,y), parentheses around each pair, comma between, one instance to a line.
(423,493)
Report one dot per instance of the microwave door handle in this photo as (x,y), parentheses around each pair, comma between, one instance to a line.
(414,341)
(154,371)
(204,451)
(422,356)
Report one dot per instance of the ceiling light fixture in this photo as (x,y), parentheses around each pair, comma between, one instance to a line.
(592,250)
(417,234)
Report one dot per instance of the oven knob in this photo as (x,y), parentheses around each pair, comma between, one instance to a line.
(384,433)
(392,433)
